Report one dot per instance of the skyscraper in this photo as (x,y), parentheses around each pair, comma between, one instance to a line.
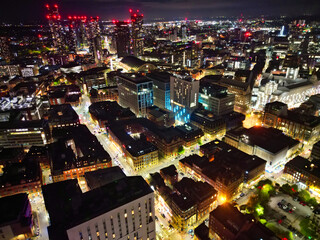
(54,18)
(184,94)
(78,32)
(122,34)
(4,49)
(94,36)
(136,33)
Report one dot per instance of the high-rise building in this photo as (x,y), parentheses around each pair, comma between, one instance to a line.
(137,35)
(122,34)
(184,94)
(184,33)
(4,49)
(94,37)
(135,92)
(161,89)
(78,32)
(216,99)
(54,18)
(121,209)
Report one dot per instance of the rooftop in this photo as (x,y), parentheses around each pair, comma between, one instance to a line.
(68,206)
(12,207)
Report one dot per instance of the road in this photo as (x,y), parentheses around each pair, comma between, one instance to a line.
(118,159)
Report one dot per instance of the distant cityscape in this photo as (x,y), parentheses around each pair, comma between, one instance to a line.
(187,129)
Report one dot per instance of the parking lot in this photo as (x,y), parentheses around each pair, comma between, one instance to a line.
(288,213)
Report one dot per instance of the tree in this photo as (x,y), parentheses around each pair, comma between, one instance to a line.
(180,150)
(304,195)
(313,202)
(307,229)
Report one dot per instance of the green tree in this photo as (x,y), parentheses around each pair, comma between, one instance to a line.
(304,195)
(313,202)
(181,150)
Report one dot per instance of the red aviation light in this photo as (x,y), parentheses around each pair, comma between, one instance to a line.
(130,10)
(247,34)
(70,17)
(113,21)
(134,15)
(137,10)
(47,6)
(54,16)
(141,15)
(48,17)
(59,17)
(74,17)
(39,36)
(56,6)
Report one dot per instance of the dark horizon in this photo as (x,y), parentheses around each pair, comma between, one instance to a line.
(17,11)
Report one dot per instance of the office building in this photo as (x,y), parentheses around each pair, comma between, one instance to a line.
(267,143)
(303,127)
(94,78)
(135,92)
(184,94)
(121,209)
(122,35)
(94,38)
(216,99)
(137,34)
(161,89)
(16,217)
(24,133)
(4,49)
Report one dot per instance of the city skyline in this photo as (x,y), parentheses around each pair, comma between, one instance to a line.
(30,11)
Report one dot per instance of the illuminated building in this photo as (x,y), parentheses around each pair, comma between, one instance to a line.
(121,209)
(100,112)
(267,143)
(169,175)
(70,156)
(210,124)
(304,172)
(190,134)
(141,154)
(64,94)
(16,217)
(291,91)
(9,70)
(94,78)
(4,49)
(216,99)
(315,153)
(134,64)
(62,115)
(161,117)
(161,89)
(137,34)
(184,94)
(21,177)
(305,128)
(54,19)
(227,222)
(184,33)
(24,133)
(78,37)
(135,92)
(94,38)
(122,34)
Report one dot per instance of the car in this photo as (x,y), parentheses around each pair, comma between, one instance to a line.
(156,218)
(283,201)
(302,203)
(242,194)
(279,204)
(164,216)
(291,211)
(296,199)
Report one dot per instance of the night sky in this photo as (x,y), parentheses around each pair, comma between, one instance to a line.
(33,10)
